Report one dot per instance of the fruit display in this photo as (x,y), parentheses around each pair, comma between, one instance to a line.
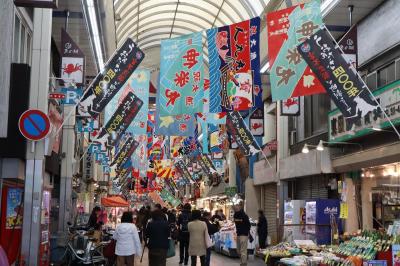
(280,250)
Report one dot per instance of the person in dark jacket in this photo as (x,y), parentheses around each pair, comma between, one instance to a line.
(262,229)
(243,225)
(93,219)
(183,236)
(212,229)
(157,233)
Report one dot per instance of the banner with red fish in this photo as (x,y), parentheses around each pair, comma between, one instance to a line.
(72,60)
(232,80)
(181,76)
(290,107)
(257,122)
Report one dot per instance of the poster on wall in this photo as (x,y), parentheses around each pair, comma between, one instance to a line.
(14,208)
(290,107)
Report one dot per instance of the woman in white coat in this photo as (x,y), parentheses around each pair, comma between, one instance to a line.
(128,242)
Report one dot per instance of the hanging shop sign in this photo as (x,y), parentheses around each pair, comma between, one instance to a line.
(72,60)
(342,84)
(257,122)
(87,125)
(119,122)
(290,76)
(290,107)
(139,157)
(37,3)
(181,76)
(34,125)
(87,165)
(71,95)
(348,44)
(108,82)
(238,129)
(389,99)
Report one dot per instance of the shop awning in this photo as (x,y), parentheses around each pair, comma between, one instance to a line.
(218,190)
(114,201)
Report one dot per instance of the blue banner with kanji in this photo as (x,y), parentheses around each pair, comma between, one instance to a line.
(181,75)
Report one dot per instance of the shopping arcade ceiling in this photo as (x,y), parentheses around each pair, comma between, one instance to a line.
(150,21)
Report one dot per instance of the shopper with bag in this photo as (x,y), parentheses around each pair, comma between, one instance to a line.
(158,233)
(128,243)
(198,239)
(212,229)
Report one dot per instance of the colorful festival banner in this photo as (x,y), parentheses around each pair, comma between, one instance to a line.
(119,121)
(244,139)
(14,208)
(342,84)
(72,60)
(123,149)
(181,75)
(157,144)
(206,119)
(164,168)
(257,122)
(139,157)
(176,142)
(231,50)
(290,76)
(181,167)
(124,156)
(108,82)
(138,83)
(180,125)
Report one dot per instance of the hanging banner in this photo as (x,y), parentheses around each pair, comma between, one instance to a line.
(244,139)
(139,157)
(56,120)
(182,168)
(180,125)
(290,107)
(72,60)
(176,143)
(138,83)
(14,208)
(119,122)
(181,75)
(233,63)
(164,168)
(343,86)
(125,154)
(290,76)
(206,165)
(257,122)
(348,44)
(87,125)
(108,82)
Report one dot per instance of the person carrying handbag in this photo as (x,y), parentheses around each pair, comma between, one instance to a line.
(212,229)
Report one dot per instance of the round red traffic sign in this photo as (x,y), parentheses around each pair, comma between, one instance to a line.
(34,124)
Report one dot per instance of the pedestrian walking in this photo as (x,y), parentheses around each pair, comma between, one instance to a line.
(183,234)
(262,230)
(197,241)
(242,223)
(157,233)
(212,229)
(128,242)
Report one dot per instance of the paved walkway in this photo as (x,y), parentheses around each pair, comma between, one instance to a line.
(216,260)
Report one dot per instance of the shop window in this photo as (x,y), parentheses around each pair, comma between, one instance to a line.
(371,81)
(386,75)
(316,108)
(22,42)
(397,69)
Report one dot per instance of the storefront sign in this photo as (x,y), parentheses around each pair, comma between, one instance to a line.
(257,122)
(14,208)
(290,107)
(348,44)
(238,129)
(71,95)
(107,83)
(72,61)
(389,99)
(344,210)
(340,81)
(88,165)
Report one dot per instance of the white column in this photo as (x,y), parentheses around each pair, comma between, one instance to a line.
(35,170)
(232,168)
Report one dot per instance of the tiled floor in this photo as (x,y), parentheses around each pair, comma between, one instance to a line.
(216,260)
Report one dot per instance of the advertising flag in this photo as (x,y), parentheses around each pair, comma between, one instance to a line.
(233,56)
(119,122)
(108,82)
(342,84)
(181,75)
(257,122)
(242,135)
(138,83)
(290,76)
(72,60)
(139,157)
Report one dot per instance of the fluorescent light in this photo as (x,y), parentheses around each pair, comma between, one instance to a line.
(200,137)
(95,33)
(264,68)
(327,6)
(376,129)
(320,146)
(305,149)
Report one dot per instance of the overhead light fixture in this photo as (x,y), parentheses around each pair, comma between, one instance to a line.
(376,129)
(305,149)
(92,22)
(327,6)
(320,146)
(264,68)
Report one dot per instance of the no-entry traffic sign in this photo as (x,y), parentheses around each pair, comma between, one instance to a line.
(34,124)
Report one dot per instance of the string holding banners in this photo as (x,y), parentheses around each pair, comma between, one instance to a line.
(108,82)
(342,84)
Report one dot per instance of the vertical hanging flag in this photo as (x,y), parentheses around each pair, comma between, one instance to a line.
(342,84)
(138,83)
(72,61)
(234,61)
(119,121)
(348,44)
(181,75)
(257,122)
(139,158)
(290,76)
(108,82)
(239,131)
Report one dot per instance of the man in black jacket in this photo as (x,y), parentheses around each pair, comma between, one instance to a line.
(242,223)
(262,229)
(183,236)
